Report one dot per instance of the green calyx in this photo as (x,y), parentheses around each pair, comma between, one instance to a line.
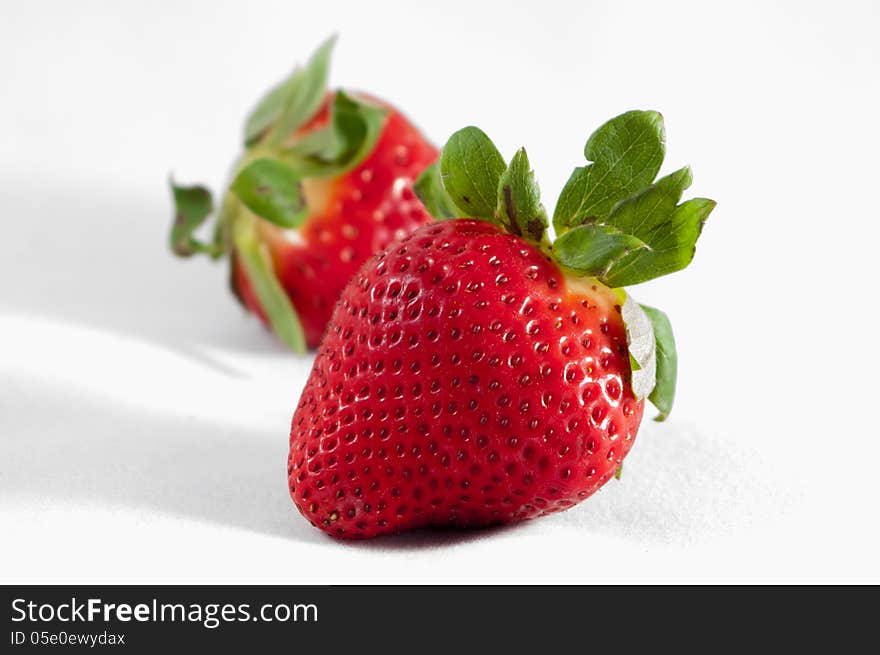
(291,102)
(471,180)
(267,182)
(614,221)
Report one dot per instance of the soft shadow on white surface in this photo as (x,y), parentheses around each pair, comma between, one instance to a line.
(77,450)
(99,257)
(681,484)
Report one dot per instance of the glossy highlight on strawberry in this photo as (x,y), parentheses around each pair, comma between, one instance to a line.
(479,372)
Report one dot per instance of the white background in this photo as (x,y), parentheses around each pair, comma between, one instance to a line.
(144,418)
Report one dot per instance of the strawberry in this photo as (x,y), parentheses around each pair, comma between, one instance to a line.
(475,373)
(324,183)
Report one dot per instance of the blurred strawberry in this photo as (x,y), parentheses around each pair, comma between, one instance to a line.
(325,181)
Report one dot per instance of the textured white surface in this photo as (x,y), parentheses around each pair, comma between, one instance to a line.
(143,419)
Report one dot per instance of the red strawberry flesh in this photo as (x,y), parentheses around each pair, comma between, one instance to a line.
(464,380)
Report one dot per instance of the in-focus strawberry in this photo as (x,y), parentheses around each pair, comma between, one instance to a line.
(324,183)
(474,372)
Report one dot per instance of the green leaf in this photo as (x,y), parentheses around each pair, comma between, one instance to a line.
(323,145)
(519,200)
(429,188)
(663,394)
(192,207)
(671,230)
(643,212)
(351,135)
(272,191)
(471,167)
(641,344)
(273,299)
(266,112)
(626,152)
(593,249)
(292,102)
